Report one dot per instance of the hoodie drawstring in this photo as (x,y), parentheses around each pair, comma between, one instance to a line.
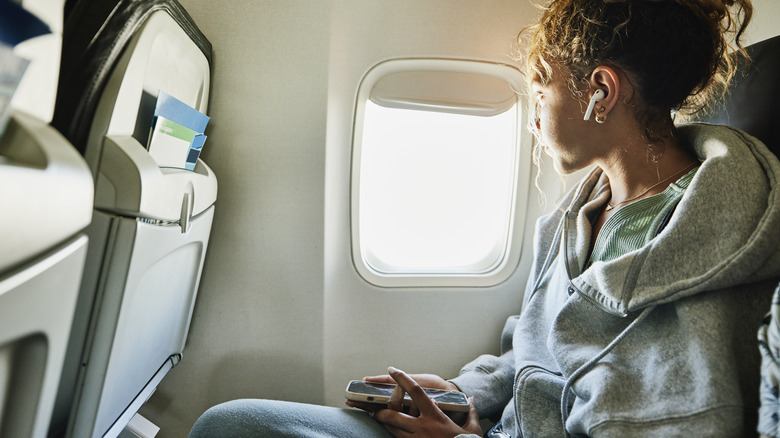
(591,363)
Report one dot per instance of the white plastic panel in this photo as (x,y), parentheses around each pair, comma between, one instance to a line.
(38,89)
(45,190)
(460,92)
(36,312)
(161,56)
(150,234)
(130,182)
(148,293)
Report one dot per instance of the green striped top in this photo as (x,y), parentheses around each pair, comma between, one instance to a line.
(632,226)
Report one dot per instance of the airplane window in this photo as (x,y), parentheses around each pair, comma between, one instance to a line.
(435,173)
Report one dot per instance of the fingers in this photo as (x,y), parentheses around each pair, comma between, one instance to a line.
(472,421)
(399,433)
(419,398)
(398,421)
(396,401)
(424,417)
(401,425)
(414,411)
(368,407)
(379,379)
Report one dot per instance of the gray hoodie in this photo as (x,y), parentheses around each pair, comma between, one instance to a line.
(660,341)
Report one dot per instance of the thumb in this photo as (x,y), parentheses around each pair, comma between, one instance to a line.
(472,421)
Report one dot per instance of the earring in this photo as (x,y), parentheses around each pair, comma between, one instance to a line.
(601,118)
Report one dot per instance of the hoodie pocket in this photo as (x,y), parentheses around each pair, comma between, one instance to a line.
(538,403)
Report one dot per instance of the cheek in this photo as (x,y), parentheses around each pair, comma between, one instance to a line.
(558,126)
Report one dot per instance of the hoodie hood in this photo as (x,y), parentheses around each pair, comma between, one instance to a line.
(731,208)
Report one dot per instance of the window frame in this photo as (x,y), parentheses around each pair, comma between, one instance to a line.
(520,185)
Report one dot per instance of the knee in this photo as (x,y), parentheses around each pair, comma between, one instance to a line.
(233,419)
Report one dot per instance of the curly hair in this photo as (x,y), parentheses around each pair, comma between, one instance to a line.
(675,52)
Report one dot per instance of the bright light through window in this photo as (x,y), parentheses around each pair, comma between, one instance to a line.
(436,190)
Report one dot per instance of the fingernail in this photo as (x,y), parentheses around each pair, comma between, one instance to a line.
(392,370)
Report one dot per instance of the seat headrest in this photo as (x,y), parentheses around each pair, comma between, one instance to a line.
(753,101)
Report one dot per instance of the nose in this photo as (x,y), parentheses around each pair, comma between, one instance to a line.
(536,118)
(534,122)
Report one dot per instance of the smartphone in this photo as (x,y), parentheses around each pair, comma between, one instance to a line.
(372,392)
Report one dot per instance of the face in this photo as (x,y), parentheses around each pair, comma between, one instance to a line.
(559,126)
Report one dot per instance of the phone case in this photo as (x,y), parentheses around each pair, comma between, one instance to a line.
(379,393)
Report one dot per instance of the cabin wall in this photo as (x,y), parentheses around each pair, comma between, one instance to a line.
(272,319)
(257,324)
(764,23)
(433,330)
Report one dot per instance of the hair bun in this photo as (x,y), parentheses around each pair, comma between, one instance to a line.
(718,6)
(717,9)
(707,5)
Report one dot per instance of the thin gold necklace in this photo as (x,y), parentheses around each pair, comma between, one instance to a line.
(610,206)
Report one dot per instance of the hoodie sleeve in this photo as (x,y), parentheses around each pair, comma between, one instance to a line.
(489,379)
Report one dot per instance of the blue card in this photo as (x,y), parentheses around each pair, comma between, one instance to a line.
(179,112)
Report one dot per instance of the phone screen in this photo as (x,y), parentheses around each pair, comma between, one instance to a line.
(386,390)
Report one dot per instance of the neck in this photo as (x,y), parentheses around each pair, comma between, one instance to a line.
(635,175)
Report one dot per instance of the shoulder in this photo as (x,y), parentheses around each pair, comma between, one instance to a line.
(720,142)
(736,167)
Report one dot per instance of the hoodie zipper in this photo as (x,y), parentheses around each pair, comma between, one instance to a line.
(566,261)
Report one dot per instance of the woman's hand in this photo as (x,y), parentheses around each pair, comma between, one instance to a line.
(424,380)
(424,418)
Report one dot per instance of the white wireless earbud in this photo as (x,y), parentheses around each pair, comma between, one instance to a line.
(597,96)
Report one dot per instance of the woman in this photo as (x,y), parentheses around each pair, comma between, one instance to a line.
(650,278)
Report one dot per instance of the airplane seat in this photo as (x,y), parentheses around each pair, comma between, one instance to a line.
(151,221)
(751,102)
(750,105)
(46,197)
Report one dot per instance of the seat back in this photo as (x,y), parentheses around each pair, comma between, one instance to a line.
(750,104)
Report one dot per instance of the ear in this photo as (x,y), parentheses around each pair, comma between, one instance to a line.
(606,79)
